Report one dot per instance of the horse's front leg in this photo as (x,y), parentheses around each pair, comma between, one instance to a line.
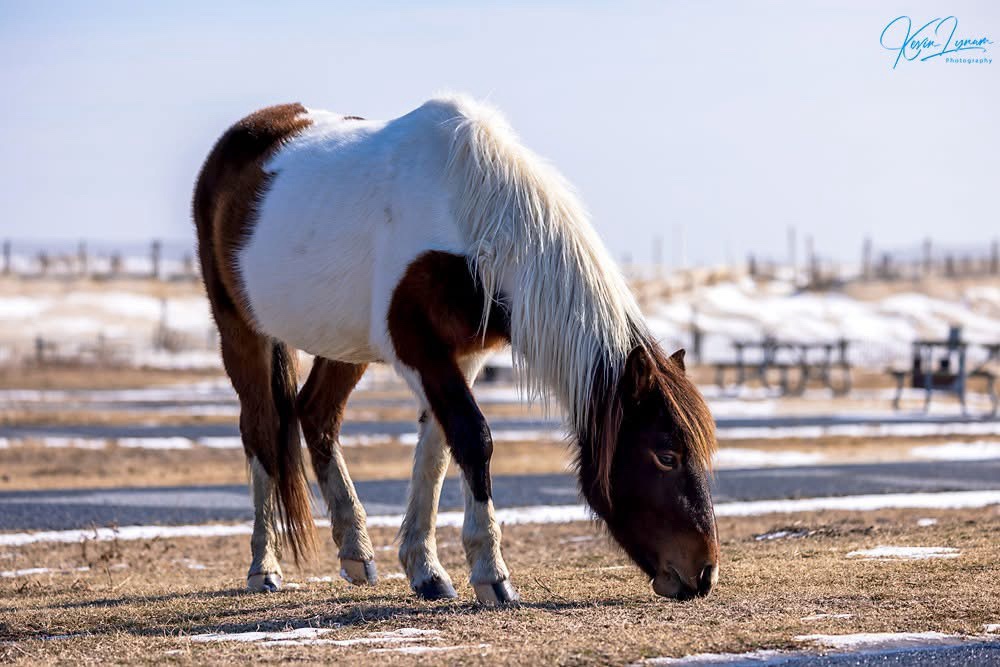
(471,444)
(418,542)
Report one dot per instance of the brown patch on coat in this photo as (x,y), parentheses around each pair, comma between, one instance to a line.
(262,370)
(230,187)
(435,319)
(436,311)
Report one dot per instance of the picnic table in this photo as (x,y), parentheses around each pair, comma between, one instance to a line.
(951,374)
(795,362)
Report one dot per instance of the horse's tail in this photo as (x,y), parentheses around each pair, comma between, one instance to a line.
(284,460)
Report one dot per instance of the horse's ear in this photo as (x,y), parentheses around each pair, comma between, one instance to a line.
(639,369)
(678,358)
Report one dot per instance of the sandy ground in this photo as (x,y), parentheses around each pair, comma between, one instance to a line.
(142,601)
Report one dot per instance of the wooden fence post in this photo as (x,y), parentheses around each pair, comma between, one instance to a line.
(81,259)
(116,264)
(154,255)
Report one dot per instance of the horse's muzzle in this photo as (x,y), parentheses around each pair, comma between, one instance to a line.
(670,584)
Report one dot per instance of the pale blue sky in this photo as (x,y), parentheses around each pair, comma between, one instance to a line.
(729,120)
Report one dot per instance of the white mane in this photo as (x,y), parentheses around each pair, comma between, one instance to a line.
(572,314)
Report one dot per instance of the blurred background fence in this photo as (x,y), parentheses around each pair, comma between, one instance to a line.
(141,304)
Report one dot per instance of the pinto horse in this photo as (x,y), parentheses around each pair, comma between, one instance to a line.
(429,242)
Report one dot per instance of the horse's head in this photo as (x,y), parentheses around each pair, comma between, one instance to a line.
(645,472)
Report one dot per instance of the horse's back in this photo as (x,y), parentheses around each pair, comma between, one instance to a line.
(348,204)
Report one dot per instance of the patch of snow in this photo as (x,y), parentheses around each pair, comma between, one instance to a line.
(22,307)
(31,571)
(191,564)
(312,636)
(280,636)
(958,451)
(393,576)
(882,640)
(905,553)
(991,628)
(732,457)
(75,443)
(926,522)
(741,408)
(944,500)
(418,650)
(234,442)
(155,443)
(126,533)
(319,580)
(698,659)
(780,535)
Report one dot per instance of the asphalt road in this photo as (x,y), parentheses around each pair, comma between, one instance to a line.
(961,655)
(397,428)
(64,510)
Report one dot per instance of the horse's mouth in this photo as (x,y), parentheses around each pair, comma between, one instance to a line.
(669,584)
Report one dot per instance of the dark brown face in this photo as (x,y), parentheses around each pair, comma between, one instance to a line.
(661,510)
(661,507)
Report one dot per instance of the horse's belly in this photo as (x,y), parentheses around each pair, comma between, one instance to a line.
(310,286)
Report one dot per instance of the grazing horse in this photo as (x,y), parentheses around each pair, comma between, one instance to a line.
(429,242)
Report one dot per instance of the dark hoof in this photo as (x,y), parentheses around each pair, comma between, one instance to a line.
(264,583)
(435,589)
(358,572)
(497,593)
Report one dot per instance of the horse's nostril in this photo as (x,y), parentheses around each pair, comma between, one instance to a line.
(708,577)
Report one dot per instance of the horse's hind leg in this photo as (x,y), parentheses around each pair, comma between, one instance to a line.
(321,412)
(247,358)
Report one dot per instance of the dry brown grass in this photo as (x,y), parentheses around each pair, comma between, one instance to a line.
(582,603)
(29,376)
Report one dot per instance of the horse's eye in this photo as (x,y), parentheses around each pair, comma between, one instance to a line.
(666,460)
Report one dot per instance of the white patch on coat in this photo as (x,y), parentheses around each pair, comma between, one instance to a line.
(352,204)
